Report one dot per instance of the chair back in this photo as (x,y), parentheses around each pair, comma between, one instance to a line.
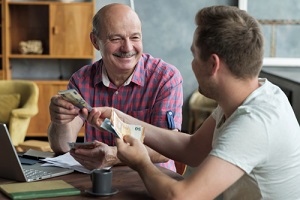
(28,107)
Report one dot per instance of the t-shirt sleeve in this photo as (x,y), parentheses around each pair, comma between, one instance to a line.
(242,141)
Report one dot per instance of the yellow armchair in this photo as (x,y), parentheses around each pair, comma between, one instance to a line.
(26,92)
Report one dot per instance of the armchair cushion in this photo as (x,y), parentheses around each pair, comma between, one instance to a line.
(8,102)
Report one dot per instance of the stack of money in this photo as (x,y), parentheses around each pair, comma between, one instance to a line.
(75,98)
(117,127)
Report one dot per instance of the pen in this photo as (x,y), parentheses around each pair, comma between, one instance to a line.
(170,119)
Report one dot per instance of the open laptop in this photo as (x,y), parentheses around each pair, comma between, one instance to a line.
(11,167)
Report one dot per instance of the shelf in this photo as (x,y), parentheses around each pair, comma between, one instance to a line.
(47,23)
(28,22)
(35,56)
(41,2)
(63,29)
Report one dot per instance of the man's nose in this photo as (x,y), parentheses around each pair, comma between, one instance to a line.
(127,45)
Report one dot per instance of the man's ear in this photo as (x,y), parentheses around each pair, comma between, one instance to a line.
(214,63)
(94,41)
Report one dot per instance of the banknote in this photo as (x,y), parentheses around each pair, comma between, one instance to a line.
(82,145)
(109,127)
(122,128)
(75,98)
(117,127)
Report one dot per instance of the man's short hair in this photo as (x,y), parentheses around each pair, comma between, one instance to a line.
(234,36)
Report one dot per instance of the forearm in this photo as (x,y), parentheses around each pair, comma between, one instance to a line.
(112,158)
(60,134)
(155,156)
(158,184)
(171,144)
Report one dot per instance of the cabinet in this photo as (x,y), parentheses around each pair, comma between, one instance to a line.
(40,122)
(62,28)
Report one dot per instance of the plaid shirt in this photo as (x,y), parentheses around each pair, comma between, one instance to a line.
(155,88)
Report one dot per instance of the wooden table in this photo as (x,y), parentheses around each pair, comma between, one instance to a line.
(126,180)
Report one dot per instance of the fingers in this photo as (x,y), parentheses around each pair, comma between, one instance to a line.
(118,141)
(131,151)
(92,158)
(61,111)
(127,140)
(94,117)
(58,102)
(86,163)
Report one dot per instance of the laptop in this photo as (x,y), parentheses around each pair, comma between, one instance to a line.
(11,167)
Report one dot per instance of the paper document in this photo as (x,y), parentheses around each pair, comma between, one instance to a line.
(38,154)
(66,161)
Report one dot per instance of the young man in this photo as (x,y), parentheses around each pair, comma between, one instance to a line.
(125,78)
(252,132)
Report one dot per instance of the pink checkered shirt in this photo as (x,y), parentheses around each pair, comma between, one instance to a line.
(155,88)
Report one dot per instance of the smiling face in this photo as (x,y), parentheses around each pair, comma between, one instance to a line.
(120,38)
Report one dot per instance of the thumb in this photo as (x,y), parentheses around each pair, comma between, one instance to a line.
(84,113)
(129,139)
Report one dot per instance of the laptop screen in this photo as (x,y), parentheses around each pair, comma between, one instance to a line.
(11,167)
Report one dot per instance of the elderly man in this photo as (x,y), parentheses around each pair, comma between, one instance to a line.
(125,78)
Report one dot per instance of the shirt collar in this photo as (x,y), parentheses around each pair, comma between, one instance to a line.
(106,80)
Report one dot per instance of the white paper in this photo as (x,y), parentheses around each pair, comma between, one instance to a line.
(66,161)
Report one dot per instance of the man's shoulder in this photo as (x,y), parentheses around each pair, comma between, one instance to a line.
(88,70)
(157,64)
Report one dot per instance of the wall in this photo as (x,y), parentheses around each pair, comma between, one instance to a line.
(280,22)
(168,28)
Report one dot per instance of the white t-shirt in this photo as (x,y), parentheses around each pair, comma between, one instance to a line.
(262,137)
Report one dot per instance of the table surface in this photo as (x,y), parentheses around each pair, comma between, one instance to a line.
(126,180)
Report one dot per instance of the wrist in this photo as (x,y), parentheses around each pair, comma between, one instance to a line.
(111,156)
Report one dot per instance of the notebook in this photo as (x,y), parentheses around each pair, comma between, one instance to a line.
(34,190)
(11,167)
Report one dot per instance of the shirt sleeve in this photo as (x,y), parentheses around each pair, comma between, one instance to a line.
(170,98)
(242,141)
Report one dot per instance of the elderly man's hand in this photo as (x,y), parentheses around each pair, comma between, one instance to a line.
(62,111)
(99,157)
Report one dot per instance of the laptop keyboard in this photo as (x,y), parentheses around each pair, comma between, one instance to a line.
(33,174)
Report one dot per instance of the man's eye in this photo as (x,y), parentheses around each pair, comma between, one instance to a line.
(136,38)
(115,39)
